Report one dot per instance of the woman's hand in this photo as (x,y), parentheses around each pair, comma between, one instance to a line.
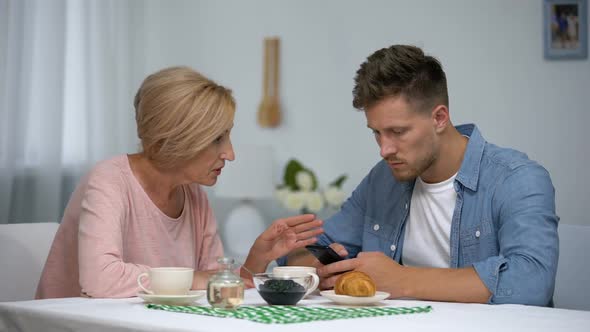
(283,236)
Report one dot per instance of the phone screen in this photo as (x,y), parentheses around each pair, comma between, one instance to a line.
(324,254)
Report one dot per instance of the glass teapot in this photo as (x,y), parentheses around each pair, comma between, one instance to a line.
(225,289)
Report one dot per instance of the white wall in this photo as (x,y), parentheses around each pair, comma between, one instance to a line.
(491,50)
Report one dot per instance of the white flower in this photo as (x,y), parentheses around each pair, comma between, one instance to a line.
(304,180)
(314,201)
(334,196)
(299,191)
(281,195)
(294,200)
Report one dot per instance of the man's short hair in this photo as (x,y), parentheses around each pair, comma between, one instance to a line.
(401,70)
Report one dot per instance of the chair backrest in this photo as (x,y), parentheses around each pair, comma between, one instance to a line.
(23,251)
(572,286)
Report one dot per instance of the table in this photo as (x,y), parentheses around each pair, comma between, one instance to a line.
(83,314)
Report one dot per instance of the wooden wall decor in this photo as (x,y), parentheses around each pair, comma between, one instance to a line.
(269,111)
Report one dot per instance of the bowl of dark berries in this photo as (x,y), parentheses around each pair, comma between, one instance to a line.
(282,290)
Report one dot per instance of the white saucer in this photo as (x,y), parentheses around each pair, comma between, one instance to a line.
(191,297)
(354,300)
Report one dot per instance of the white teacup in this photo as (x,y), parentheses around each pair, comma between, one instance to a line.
(299,271)
(167,280)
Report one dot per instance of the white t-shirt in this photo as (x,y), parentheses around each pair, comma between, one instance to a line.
(428,229)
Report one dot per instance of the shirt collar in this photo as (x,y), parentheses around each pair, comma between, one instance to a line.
(469,173)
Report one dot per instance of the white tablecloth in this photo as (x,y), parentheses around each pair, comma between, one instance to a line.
(81,314)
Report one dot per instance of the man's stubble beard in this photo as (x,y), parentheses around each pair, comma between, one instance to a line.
(414,172)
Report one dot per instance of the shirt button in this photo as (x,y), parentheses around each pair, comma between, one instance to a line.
(406,206)
(392,247)
(477,233)
(376,227)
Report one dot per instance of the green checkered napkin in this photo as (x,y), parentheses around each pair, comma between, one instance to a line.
(292,314)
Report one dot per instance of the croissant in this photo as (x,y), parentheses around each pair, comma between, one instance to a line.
(355,283)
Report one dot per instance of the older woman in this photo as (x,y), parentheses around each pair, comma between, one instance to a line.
(143,210)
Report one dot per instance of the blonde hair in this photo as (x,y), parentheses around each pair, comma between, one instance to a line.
(179,112)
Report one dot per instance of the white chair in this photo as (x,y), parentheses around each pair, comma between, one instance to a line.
(23,251)
(572,286)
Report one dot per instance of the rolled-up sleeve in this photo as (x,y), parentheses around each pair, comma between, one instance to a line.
(524,271)
(346,226)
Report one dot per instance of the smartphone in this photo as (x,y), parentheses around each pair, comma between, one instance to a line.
(324,254)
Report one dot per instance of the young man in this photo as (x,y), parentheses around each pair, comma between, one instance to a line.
(445,216)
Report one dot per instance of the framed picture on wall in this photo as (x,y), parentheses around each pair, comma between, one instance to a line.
(565,29)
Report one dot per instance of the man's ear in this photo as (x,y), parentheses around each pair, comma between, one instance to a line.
(440,118)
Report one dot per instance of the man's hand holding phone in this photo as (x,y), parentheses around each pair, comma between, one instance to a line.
(326,254)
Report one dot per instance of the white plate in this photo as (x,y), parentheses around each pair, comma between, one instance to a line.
(191,297)
(354,300)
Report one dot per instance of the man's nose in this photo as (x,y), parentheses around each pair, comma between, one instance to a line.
(387,148)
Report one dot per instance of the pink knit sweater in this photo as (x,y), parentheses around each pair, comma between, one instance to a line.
(111,232)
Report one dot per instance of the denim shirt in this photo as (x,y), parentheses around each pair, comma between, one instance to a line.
(504,222)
